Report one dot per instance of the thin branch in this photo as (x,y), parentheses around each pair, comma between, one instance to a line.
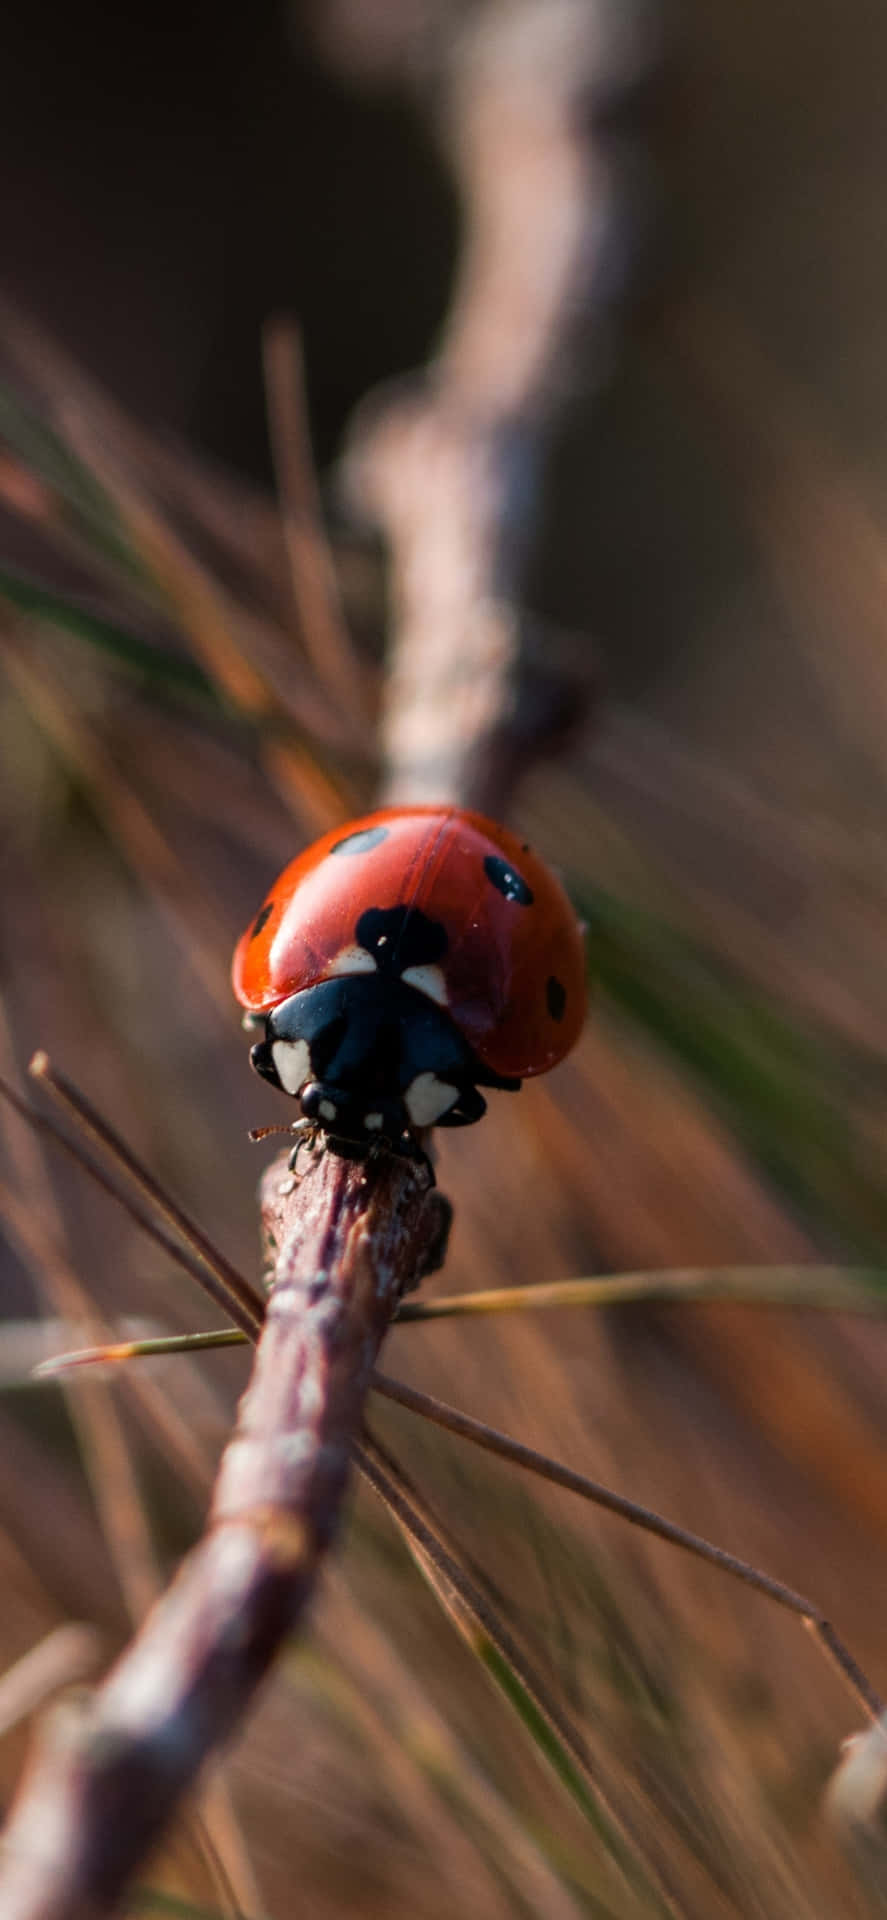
(650,1522)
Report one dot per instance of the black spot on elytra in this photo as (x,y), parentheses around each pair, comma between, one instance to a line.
(400,937)
(555,997)
(362,841)
(510,884)
(262,919)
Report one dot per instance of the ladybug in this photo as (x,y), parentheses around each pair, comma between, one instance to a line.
(402,963)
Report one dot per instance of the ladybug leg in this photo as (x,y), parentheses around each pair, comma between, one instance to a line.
(469,1107)
(503,1082)
(412,1147)
(309,1134)
(426,1174)
(437,1252)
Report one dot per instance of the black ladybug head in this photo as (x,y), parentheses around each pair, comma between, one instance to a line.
(400,938)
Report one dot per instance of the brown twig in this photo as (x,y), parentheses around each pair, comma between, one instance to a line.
(350,1238)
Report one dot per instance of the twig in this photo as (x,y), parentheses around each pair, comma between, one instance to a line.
(350,1238)
(453,470)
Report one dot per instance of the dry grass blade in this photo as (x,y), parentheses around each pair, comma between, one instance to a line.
(561,1476)
(827,1289)
(98,1129)
(480,1624)
(107,1461)
(321,624)
(115,1352)
(67,1656)
(200,931)
(228,1857)
(490,1858)
(819,1289)
(203,1276)
(37,1229)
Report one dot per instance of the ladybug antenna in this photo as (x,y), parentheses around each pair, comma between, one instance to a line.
(261,1133)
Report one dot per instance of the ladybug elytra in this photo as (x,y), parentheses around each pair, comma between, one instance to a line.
(403,962)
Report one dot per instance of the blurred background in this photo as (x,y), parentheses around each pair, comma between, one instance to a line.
(682,511)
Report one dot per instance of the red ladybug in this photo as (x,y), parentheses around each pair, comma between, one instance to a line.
(403,962)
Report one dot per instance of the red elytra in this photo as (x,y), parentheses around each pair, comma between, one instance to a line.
(513,963)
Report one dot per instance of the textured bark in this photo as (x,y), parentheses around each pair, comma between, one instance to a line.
(348,1239)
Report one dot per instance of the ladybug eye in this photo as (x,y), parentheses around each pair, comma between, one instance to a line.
(511,885)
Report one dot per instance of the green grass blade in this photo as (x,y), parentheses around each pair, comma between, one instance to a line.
(92,509)
(138,656)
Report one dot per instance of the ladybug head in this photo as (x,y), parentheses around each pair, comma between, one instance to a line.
(400,939)
(371,1058)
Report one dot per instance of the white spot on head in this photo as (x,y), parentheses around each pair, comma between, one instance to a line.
(352,960)
(372,1122)
(426,1098)
(428,980)
(293,1063)
(327,1109)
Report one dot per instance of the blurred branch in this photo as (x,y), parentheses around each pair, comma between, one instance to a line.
(452,470)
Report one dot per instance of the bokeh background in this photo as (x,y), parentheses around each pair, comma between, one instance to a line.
(710,532)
